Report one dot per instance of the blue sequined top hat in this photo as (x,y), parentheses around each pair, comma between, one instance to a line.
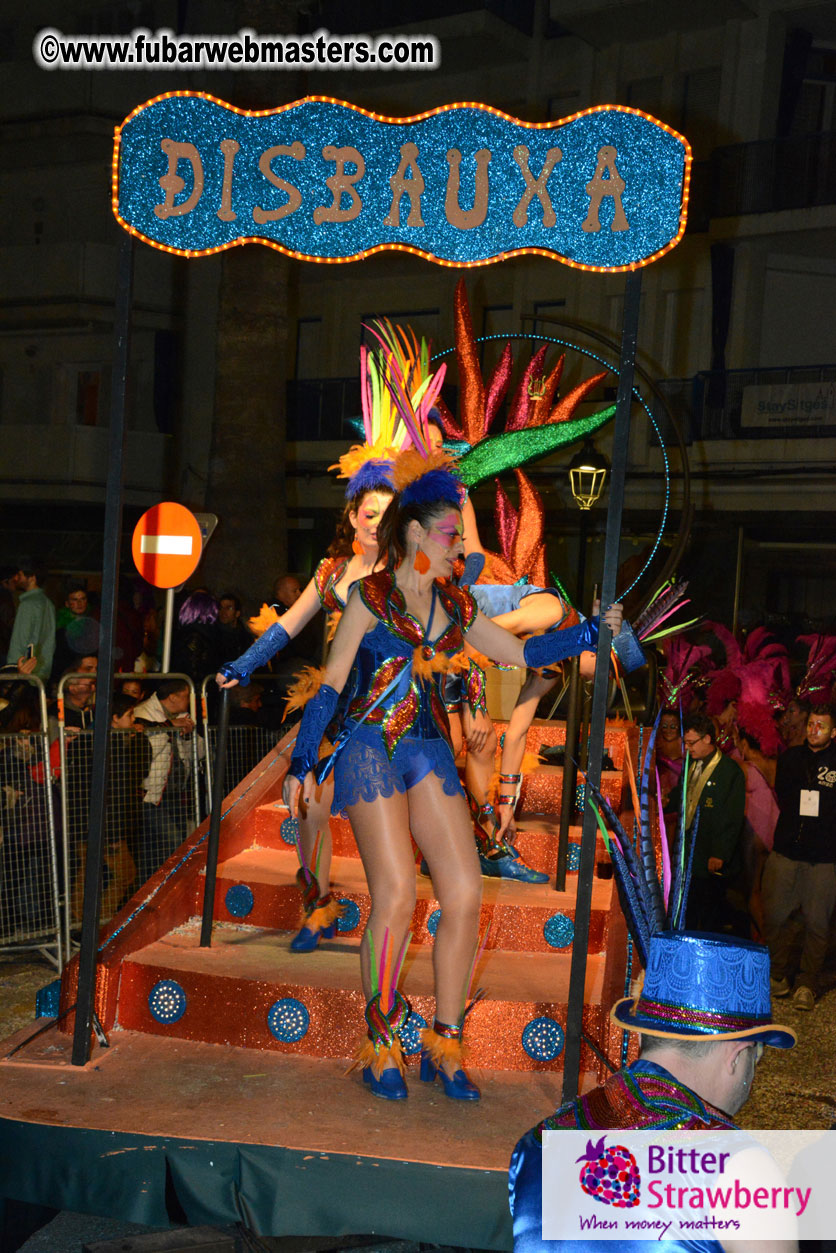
(700,986)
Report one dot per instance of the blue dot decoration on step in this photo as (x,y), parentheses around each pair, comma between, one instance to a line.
(239,900)
(542,1039)
(288,1020)
(350,916)
(573,859)
(289,830)
(433,921)
(580,797)
(47,1000)
(411,1034)
(559,931)
(167,1001)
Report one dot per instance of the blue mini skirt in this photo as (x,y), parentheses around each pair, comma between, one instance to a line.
(363,770)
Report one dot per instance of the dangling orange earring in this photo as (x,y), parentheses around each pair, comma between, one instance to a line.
(357,548)
(421,561)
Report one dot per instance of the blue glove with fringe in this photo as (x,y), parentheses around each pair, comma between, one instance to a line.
(554,646)
(318,713)
(274,639)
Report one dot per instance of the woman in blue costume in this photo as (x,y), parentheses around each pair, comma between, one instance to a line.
(394,768)
(368,494)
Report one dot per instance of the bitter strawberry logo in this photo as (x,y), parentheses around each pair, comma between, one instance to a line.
(610,1175)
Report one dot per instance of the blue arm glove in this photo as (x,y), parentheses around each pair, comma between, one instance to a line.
(628,649)
(318,713)
(545,650)
(274,639)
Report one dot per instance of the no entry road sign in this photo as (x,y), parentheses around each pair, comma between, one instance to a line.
(167,544)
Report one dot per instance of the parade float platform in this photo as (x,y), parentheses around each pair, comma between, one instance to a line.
(222,1096)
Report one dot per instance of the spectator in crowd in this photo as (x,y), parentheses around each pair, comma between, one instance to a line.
(249,736)
(800,872)
(245,705)
(233,638)
(286,591)
(32,645)
(79,697)
(717,789)
(793,723)
(25,877)
(194,648)
(305,648)
(133,688)
(130,760)
(77,631)
(169,728)
(7,607)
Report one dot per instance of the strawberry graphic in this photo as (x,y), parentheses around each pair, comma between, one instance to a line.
(610,1175)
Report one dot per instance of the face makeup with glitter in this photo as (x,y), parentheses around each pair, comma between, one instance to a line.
(446,534)
(365,520)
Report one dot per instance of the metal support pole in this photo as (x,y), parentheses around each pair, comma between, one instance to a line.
(214,837)
(586,869)
(107,635)
(570,773)
(168,625)
(738,579)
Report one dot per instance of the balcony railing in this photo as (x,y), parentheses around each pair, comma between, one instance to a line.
(772,174)
(779,402)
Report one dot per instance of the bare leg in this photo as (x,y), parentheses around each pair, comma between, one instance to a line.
(381,828)
(312,820)
(513,748)
(479,767)
(536,612)
(442,830)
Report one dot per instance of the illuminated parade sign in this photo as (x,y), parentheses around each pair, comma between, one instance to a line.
(463,185)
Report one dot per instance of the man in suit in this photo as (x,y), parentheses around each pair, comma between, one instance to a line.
(714,809)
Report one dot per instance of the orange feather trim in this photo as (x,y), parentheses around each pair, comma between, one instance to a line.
(306,686)
(321,917)
(366,1055)
(441,1050)
(266,617)
(412,464)
(333,623)
(357,456)
(423,666)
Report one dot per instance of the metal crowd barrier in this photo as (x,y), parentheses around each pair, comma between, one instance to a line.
(154,796)
(252,731)
(29,865)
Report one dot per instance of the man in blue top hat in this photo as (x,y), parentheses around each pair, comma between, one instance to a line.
(704,1017)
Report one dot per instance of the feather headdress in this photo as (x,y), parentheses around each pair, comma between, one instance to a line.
(820,674)
(399,364)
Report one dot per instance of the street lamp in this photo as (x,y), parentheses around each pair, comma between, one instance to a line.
(587,475)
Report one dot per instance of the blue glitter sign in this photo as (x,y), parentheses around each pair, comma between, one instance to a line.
(462,185)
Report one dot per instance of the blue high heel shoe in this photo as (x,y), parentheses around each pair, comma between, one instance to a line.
(443,1041)
(390,1086)
(306,940)
(320,924)
(459,1088)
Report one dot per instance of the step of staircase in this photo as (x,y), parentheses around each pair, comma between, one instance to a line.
(258,887)
(249,990)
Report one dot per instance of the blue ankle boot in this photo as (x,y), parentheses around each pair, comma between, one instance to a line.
(442,1042)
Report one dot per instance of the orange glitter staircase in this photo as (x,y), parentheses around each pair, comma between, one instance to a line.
(249,989)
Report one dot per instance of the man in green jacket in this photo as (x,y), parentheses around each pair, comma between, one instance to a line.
(714,808)
(34,624)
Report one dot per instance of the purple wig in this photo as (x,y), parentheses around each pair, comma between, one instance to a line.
(199,607)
